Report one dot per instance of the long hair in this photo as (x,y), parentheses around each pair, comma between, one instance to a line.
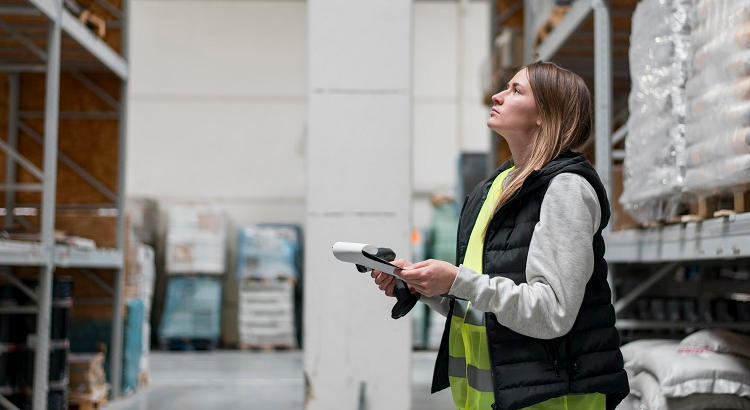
(564,105)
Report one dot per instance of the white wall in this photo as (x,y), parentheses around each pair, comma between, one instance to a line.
(218,105)
(218,102)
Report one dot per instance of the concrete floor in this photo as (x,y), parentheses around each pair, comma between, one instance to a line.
(230,380)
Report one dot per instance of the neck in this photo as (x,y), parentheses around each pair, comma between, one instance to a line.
(519,151)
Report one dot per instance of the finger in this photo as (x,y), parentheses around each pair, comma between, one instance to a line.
(389,290)
(419,264)
(412,273)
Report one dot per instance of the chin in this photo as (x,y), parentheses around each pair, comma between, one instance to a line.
(492,125)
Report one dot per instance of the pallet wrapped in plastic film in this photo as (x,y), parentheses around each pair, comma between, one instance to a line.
(660,55)
(718,128)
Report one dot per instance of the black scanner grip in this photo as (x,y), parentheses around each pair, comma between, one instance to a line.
(405,300)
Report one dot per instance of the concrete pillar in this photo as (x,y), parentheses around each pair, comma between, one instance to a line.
(358,190)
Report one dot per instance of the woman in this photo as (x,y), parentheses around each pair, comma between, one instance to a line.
(530,319)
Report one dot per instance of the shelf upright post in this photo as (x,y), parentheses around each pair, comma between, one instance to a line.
(10,164)
(52,106)
(117,319)
(603,106)
(603,92)
(528,32)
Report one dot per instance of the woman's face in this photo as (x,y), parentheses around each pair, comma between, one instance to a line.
(514,112)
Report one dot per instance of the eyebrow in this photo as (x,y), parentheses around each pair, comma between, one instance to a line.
(515,84)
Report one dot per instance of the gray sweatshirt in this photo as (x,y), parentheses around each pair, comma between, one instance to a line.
(560,262)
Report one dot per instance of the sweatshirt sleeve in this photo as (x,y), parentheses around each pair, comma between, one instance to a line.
(437,303)
(560,262)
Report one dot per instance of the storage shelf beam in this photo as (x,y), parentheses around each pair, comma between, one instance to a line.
(83,36)
(712,239)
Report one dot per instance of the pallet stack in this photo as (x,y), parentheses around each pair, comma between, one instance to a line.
(654,167)
(266,314)
(139,289)
(195,264)
(718,129)
(267,273)
(18,340)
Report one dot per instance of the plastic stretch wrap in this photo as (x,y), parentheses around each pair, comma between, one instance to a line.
(660,58)
(718,129)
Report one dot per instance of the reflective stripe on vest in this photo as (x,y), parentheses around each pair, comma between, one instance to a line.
(469,315)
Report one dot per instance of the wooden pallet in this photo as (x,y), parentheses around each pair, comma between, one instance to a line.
(558,13)
(267,281)
(87,405)
(186,344)
(88,401)
(266,347)
(724,204)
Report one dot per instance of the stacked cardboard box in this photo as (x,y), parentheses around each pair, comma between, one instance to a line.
(196,240)
(88,382)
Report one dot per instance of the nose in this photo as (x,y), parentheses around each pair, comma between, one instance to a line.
(498,98)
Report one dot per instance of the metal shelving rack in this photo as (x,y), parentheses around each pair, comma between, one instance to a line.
(666,247)
(46,254)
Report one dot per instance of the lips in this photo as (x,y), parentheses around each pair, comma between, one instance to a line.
(495,111)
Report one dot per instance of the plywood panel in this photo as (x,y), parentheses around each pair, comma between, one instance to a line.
(92,144)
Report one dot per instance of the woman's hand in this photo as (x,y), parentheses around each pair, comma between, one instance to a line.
(430,277)
(385,281)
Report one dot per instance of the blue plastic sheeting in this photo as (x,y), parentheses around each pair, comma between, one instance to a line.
(269,252)
(133,344)
(192,308)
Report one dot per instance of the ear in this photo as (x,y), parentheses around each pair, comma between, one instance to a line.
(538,121)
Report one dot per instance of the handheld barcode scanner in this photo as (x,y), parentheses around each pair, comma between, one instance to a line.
(368,257)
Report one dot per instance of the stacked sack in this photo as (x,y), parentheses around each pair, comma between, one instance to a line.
(709,369)
(660,59)
(718,131)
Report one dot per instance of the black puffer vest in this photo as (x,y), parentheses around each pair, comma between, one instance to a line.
(526,370)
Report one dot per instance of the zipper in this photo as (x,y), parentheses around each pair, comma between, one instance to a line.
(492,364)
(458,229)
(552,352)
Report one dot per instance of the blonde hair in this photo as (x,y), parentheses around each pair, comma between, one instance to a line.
(564,104)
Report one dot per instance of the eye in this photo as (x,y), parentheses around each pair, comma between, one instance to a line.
(515,91)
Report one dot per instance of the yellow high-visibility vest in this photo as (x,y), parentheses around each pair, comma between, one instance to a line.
(469,371)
